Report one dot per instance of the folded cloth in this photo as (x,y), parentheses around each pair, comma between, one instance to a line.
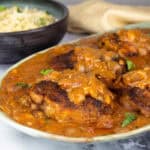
(93,16)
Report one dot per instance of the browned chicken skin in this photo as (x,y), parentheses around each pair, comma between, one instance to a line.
(126,43)
(56,104)
(137,86)
(63,61)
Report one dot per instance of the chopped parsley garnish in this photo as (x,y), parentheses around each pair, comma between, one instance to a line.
(42,22)
(19,10)
(130,65)
(47,12)
(46,71)
(129,118)
(22,85)
(2,8)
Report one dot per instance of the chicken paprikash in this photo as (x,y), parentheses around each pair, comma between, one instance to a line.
(97,86)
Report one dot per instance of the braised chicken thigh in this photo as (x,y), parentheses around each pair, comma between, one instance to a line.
(136,84)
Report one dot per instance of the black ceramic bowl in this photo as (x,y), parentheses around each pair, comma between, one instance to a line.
(17,45)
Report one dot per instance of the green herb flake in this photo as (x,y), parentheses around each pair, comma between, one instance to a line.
(129,118)
(2,8)
(46,71)
(22,85)
(47,12)
(19,10)
(42,22)
(130,65)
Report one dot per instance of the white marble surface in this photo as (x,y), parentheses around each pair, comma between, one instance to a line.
(10,139)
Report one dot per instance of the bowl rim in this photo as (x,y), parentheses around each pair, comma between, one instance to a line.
(41,29)
(41,134)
